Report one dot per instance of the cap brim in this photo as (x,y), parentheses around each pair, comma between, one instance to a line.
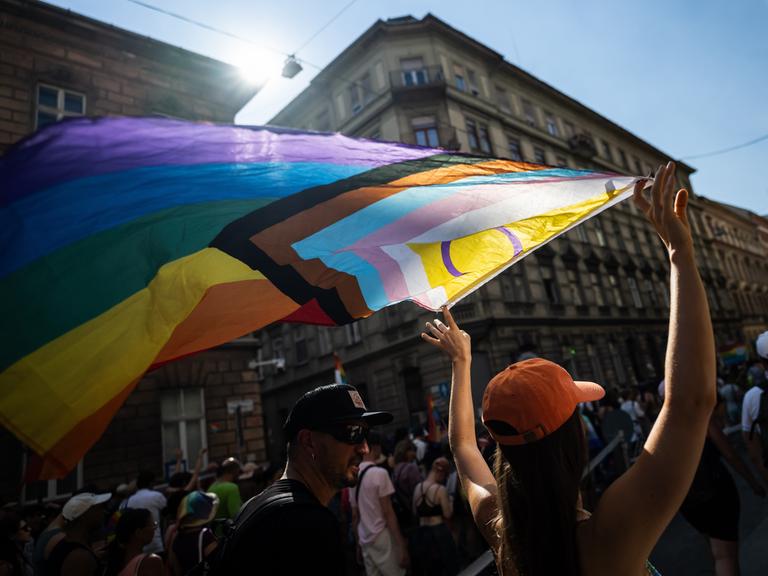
(101,499)
(588,391)
(377,418)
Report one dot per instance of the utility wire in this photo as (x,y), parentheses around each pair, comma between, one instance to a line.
(206,26)
(322,29)
(729,149)
(352,82)
(357,82)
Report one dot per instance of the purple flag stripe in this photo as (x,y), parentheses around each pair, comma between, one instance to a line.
(121,143)
(445,251)
(512,238)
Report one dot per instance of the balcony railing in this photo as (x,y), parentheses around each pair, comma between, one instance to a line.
(415,78)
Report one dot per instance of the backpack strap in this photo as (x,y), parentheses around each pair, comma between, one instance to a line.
(360,484)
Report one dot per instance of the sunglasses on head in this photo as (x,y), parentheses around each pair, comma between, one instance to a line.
(347,433)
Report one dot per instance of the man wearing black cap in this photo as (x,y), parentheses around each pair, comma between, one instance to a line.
(287,529)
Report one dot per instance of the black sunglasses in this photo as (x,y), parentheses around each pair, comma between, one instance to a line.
(347,433)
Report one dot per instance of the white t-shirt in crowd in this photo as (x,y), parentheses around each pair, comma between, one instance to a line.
(375,485)
(153,501)
(750,408)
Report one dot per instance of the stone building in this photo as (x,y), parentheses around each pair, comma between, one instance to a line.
(595,300)
(56,64)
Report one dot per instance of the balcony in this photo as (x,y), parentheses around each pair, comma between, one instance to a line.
(583,146)
(417,83)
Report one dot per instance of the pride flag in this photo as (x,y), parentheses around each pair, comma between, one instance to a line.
(339,375)
(126,243)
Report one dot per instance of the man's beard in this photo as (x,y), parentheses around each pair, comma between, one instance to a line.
(347,481)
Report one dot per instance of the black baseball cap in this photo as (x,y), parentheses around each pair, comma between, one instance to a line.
(328,405)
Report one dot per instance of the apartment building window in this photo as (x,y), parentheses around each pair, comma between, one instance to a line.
(607,151)
(458,78)
(568,128)
(549,282)
(425,131)
(581,233)
(353,333)
(300,345)
(650,292)
(54,104)
(638,166)
(552,125)
(324,340)
(618,367)
(515,284)
(613,282)
(624,160)
(599,232)
(360,93)
(355,102)
(473,86)
(478,136)
(539,155)
(46,490)
(529,113)
(515,149)
(413,72)
(277,348)
(502,97)
(597,288)
(182,413)
(574,285)
(561,162)
(594,360)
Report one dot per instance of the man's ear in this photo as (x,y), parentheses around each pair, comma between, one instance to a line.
(305,440)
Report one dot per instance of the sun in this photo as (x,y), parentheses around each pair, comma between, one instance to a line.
(258,66)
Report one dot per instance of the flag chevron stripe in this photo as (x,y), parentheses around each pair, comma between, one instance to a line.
(117,346)
(92,275)
(248,239)
(100,203)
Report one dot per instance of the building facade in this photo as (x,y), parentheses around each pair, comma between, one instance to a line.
(594,300)
(56,64)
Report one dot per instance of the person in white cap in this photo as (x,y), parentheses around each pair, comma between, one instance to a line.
(751,412)
(72,556)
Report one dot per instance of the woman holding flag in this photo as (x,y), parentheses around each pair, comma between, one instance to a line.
(529,509)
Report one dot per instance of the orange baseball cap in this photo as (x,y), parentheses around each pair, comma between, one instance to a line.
(531,399)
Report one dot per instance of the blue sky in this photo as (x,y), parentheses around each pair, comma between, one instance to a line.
(688,76)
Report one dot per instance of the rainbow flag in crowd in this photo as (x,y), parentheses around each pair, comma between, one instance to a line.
(126,243)
(339,375)
(734,354)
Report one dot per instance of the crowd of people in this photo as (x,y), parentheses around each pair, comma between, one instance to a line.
(352,501)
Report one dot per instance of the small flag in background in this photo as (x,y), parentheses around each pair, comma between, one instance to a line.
(734,354)
(432,419)
(339,376)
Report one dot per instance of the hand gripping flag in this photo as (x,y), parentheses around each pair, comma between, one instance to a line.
(126,243)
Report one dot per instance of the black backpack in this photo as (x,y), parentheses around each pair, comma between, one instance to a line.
(219,563)
(762,420)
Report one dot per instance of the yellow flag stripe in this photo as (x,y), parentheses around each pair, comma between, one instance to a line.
(46,393)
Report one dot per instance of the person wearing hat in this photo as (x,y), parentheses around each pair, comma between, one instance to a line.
(193,540)
(83,514)
(530,511)
(751,416)
(288,528)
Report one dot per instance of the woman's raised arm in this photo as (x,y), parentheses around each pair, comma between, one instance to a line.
(476,478)
(636,509)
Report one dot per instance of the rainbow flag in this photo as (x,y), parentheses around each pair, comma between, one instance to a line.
(339,375)
(734,354)
(126,243)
